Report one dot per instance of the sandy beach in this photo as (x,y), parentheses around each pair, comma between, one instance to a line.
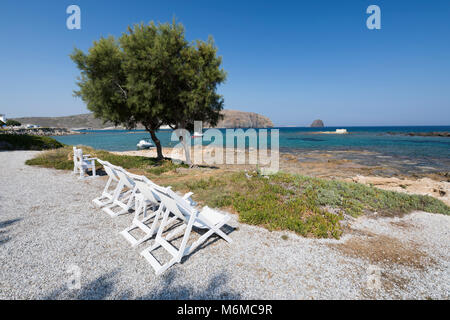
(49,224)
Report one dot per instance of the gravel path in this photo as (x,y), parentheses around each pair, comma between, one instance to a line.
(48,224)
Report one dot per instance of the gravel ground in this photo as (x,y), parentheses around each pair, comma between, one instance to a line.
(48,224)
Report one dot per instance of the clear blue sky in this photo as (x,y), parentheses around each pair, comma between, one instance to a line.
(291,61)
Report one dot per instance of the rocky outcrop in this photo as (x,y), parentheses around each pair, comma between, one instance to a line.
(232,119)
(423,186)
(317,124)
(240,119)
(423,134)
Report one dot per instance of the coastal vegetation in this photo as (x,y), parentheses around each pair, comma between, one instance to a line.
(310,207)
(38,131)
(62,159)
(152,76)
(12,123)
(27,142)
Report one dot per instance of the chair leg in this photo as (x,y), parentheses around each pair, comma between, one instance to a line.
(223,235)
(125,207)
(141,207)
(81,173)
(213,229)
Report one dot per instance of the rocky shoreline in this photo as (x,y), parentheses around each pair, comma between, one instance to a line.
(41,131)
(422,134)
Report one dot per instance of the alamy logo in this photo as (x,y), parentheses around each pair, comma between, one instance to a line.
(373,278)
(374,20)
(74,280)
(231,147)
(74,20)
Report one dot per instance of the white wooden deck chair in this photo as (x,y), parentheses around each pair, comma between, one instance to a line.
(81,163)
(181,209)
(146,196)
(107,195)
(124,194)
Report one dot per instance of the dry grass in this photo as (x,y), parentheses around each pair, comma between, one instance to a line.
(385,250)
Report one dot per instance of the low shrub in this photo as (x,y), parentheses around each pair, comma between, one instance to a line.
(27,142)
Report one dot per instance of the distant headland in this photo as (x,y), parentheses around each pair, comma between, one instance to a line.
(231,119)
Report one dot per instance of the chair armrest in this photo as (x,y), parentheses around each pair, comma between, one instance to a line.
(187,195)
(89,159)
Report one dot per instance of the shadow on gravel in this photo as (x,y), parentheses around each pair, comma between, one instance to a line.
(104,286)
(99,172)
(4,238)
(98,289)
(216,289)
(227,229)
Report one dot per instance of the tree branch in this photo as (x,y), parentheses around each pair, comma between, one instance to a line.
(123,91)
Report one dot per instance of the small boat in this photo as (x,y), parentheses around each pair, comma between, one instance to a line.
(197,135)
(144,144)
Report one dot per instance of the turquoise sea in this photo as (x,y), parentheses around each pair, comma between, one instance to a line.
(434,151)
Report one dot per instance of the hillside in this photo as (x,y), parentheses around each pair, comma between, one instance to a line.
(232,119)
(241,119)
(86,120)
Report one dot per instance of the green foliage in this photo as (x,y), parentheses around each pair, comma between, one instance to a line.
(298,203)
(62,159)
(101,81)
(267,203)
(151,75)
(57,159)
(12,123)
(27,142)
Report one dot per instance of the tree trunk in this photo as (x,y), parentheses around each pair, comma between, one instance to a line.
(157,144)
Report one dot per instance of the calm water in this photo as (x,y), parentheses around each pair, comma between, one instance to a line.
(436,150)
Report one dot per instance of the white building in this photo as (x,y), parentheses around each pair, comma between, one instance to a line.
(3,117)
